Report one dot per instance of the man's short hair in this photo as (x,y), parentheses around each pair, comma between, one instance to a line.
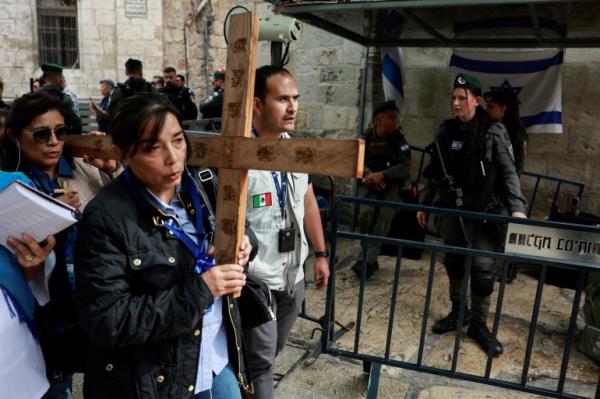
(262,74)
(160,79)
(181,77)
(108,82)
(133,66)
(169,69)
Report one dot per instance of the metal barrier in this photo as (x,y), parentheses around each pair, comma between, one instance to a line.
(328,342)
(560,182)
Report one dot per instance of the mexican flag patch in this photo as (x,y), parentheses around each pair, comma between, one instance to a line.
(261,200)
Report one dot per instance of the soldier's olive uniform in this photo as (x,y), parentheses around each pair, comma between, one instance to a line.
(482,165)
(392,156)
(590,339)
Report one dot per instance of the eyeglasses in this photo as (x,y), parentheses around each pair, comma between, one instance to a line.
(42,135)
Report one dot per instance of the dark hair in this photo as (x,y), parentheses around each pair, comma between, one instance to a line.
(135,114)
(51,77)
(181,77)
(1,84)
(169,69)
(133,66)
(22,112)
(160,78)
(262,74)
(512,115)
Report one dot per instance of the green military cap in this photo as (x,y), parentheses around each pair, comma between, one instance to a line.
(380,106)
(47,67)
(219,74)
(468,82)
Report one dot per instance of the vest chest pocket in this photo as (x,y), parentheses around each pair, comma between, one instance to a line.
(154,270)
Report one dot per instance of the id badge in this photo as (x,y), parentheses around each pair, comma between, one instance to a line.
(287,239)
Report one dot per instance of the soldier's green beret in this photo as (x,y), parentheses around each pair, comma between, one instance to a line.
(47,67)
(380,106)
(468,82)
(219,74)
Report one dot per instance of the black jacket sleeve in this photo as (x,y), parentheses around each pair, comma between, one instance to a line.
(111,314)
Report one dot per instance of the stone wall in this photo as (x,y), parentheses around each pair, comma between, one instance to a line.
(106,40)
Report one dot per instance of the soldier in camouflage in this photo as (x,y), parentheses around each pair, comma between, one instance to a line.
(387,168)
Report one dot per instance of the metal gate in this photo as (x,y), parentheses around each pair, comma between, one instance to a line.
(375,362)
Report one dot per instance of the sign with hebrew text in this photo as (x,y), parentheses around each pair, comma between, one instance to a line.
(553,243)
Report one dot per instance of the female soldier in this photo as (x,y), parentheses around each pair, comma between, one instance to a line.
(155,308)
(478,160)
(503,106)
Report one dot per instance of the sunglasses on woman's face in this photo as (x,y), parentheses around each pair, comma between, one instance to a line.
(42,135)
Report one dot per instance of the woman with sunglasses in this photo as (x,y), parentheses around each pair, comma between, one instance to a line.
(152,300)
(36,130)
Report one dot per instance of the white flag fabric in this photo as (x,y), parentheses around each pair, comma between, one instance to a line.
(534,76)
(392,61)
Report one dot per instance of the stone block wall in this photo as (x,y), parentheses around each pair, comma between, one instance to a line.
(106,40)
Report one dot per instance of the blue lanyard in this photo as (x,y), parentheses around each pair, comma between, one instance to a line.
(198,250)
(281,190)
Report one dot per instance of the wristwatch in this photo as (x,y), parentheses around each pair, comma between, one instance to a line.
(322,254)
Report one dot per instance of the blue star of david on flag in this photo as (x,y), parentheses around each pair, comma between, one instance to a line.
(534,76)
(506,87)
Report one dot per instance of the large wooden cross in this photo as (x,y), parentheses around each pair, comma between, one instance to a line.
(236,151)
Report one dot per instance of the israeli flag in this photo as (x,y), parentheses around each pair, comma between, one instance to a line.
(392,61)
(534,76)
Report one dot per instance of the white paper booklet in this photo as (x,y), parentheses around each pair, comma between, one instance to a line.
(23,209)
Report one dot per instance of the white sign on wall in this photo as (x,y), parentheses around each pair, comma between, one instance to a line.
(136,9)
(553,243)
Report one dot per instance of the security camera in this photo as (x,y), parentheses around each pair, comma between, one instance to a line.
(277,28)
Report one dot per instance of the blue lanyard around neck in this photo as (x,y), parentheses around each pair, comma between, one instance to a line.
(198,249)
(281,190)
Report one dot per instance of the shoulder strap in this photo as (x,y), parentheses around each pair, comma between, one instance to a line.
(205,181)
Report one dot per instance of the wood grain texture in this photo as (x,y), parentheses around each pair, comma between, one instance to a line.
(342,158)
(236,122)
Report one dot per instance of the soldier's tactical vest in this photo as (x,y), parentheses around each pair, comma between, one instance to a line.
(468,159)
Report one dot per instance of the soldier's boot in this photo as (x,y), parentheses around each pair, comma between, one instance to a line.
(482,335)
(511,273)
(450,322)
(372,267)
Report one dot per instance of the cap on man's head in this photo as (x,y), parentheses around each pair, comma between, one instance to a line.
(219,74)
(468,82)
(132,63)
(47,67)
(380,106)
(108,82)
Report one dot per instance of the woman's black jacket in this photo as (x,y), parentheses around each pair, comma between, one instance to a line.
(141,303)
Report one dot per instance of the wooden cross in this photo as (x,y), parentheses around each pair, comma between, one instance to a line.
(236,151)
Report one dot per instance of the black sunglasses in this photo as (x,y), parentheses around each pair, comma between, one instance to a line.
(42,135)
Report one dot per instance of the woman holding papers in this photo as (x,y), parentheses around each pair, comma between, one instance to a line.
(152,300)
(36,130)
(22,284)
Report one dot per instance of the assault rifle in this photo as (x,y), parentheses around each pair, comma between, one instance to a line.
(456,192)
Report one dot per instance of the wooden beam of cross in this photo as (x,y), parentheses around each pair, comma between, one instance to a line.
(235,151)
